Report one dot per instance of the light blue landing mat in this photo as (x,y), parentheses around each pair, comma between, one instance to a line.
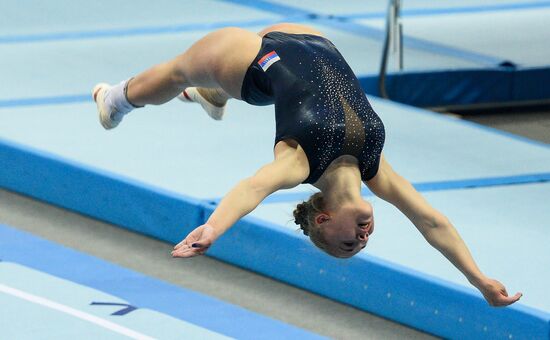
(60,68)
(177,147)
(53,292)
(113,41)
(24,18)
(506,229)
(379,7)
(518,36)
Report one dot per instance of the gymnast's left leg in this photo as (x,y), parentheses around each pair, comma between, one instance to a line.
(217,61)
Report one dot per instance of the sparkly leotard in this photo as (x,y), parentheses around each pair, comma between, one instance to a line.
(318,101)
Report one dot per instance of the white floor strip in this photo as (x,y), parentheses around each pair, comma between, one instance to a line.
(74,312)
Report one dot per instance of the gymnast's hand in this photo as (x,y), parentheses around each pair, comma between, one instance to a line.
(196,243)
(495,293)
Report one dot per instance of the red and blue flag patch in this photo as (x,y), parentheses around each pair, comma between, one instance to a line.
(269,59)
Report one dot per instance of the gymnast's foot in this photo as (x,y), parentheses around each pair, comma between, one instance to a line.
(211,100)
(112,104)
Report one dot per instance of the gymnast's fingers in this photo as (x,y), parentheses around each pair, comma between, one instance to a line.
(188,251)
(185,252)
(508,300)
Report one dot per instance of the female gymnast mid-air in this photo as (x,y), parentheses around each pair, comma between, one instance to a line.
(327,135)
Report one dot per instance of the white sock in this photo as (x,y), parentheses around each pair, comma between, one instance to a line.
(116,98)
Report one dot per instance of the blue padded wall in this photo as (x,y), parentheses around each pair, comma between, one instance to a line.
(92,192)
(464,87)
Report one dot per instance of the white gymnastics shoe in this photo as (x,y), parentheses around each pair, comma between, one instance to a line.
(191,94)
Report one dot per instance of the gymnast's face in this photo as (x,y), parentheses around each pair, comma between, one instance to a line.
(347,230)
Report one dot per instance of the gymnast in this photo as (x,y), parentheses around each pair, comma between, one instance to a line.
(327,135)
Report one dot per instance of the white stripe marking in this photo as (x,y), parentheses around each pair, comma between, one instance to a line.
(74,312)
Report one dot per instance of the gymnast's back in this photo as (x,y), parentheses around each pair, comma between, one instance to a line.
(318,101)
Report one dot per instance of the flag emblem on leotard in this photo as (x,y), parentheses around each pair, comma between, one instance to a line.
(269,59)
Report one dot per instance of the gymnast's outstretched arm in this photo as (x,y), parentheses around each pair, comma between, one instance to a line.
(286,171)
(437,230)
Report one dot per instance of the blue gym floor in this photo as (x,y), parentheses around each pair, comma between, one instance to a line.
(487,182)
(81,295)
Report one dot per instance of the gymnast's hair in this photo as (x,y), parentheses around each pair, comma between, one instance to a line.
(304,215)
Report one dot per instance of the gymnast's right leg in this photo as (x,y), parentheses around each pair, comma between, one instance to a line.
(217,61)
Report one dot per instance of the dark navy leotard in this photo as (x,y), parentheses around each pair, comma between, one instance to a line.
(318,101)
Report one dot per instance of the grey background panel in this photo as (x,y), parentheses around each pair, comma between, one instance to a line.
(506,229)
